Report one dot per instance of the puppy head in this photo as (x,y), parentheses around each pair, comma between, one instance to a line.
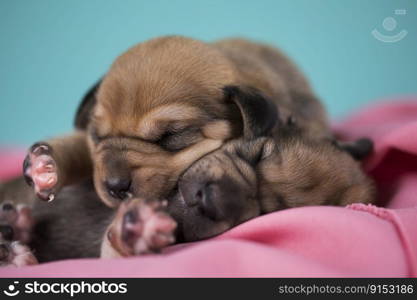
(258,173)
(141,225)
(159,108)
(220,190)
(302,171)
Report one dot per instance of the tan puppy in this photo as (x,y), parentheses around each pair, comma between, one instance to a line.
(164,104)
(247,177)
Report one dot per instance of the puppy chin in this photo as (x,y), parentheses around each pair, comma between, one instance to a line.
(192,225)
(201,228)
(103,193)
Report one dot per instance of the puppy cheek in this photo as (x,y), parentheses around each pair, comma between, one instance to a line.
(101,189)
(218,130)
(99,177)
(210,230)
(251,210)
(149,183)
(204,170)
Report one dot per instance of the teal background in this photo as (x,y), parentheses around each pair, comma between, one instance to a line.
(51,52)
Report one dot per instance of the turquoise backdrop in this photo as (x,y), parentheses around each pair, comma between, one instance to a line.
(52,51)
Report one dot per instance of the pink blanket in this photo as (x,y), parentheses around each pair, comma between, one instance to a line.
(359,240)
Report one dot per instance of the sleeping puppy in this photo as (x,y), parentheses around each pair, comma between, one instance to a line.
(163,105)
(262,172)
(246,177)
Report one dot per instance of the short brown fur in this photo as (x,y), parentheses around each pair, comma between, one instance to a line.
(167,94)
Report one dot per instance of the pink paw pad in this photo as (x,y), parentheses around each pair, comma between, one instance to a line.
(146,228)
(40,171)
(15,229)
(16,254)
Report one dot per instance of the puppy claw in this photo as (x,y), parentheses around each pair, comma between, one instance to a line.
(40,148)
(51,197)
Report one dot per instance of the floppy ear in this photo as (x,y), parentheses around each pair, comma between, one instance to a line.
(358,149)
(259,115)
(82,117)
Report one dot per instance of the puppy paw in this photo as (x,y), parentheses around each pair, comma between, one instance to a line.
(40,171)
(15,222)
(15,227)
(142,228)
(16,254)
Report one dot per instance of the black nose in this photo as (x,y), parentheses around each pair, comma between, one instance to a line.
(203,196)
(118,187)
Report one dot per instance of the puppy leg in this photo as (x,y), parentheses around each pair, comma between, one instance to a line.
(52,164)
(15,229)
(138,228)
(16,254)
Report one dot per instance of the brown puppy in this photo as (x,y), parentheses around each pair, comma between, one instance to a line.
(253,175)
(247,177)
(164,104)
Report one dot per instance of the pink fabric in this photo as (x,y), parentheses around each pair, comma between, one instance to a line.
(10,162)
(359,240)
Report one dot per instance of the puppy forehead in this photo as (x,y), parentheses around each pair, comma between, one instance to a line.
(154,122)
(149,125)
(146,111)
(165,56)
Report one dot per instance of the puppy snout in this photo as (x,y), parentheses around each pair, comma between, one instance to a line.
(118,187)
(206,197)
(203,195)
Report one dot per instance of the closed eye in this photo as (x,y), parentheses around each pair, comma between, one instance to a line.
(95,137)
(165,137)
(178,140)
